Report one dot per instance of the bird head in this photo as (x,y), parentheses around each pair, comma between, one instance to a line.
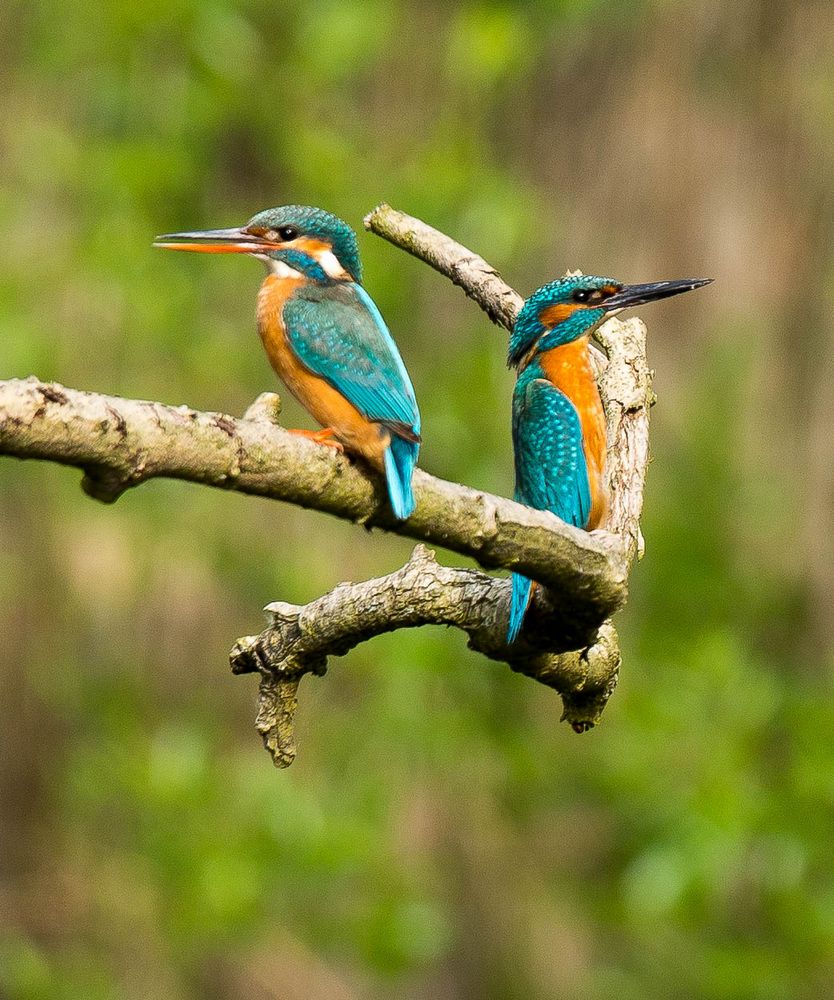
(286,234)
(568,308)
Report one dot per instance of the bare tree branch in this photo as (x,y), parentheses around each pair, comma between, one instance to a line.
(122,442)
(299,640)
(467,270)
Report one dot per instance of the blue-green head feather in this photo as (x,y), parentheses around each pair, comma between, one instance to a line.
(558,313)
(300,222)
(561,311)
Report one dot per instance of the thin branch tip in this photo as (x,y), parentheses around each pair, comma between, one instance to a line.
(379,210)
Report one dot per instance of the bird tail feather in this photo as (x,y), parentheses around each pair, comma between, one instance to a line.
(400,459)
(519,602)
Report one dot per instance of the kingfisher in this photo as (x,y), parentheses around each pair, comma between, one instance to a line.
(325,337)
(559,434)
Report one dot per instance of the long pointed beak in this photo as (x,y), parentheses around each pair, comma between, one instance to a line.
(636,295)
(216,241)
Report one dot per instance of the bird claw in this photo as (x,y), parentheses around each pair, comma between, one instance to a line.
(325,437)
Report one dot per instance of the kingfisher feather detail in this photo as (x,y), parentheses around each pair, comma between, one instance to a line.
(325,337)
(559,434)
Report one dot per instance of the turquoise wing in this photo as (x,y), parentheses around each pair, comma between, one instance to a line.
(337,332)
(550,469)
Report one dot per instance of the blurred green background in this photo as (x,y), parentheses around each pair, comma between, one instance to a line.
(440,835)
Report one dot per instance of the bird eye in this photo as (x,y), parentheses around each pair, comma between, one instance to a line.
(287,233)
(589,295)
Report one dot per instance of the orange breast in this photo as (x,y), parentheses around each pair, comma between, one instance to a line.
(569,368)
(329,407)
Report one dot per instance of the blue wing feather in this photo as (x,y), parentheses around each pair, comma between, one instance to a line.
(550,469)
(338,333)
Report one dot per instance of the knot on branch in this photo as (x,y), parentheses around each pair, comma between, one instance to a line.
(266,407)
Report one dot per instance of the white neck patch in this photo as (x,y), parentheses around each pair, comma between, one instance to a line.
(279,268)
(330,264)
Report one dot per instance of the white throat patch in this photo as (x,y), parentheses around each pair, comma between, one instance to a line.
(279,268)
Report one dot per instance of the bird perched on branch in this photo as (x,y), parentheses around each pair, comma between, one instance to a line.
(326,338)
(559,435)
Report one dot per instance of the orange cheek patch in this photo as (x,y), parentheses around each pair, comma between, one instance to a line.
(311,246)
(553,315)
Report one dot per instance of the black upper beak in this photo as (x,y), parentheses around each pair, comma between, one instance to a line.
(636,295)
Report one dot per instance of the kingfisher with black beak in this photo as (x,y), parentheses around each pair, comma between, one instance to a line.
(325,337)
(559,435)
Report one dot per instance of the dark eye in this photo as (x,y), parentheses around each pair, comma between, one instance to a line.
(287,233)
(592,295)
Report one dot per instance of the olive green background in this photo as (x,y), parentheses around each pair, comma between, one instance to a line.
(441,834)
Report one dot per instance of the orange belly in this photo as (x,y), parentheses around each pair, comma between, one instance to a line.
(569,368)
(329,407)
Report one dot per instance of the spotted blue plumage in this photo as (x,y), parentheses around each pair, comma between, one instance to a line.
(550,468)
(337,332)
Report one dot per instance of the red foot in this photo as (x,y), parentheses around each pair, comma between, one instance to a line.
(324,437)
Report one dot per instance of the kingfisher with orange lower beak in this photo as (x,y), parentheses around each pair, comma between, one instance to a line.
(559,434)
(325,337)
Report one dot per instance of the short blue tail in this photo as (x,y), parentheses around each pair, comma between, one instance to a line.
(400,459)
(522,589)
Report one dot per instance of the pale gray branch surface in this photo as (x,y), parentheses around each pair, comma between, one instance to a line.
(122,442)
(461,266)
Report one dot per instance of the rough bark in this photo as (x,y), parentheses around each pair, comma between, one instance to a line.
(467,270)
(299,640)
(120,443)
